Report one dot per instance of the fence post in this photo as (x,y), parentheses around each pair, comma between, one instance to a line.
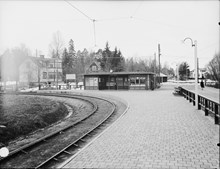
(206,108)
(190,97)
(216,114)
(199,102)
(194,101)
(187,95)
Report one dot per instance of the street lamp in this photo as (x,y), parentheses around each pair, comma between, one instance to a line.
(196,69)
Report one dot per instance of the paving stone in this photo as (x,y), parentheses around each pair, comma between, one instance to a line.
(159,130)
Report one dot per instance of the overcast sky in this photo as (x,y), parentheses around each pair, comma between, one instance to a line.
(135,27)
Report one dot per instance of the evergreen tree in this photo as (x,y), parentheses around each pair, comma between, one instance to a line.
(65,63)
(121,62)
(106,56)
(183,70)
(72,51)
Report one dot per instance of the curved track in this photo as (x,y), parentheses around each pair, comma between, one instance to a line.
(57,146)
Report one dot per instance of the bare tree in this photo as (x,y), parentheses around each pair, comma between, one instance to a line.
(213,68)
(56,45)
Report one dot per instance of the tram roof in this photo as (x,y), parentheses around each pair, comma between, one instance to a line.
(118,73)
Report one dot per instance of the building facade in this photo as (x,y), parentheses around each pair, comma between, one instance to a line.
(39,70)
(119,81)
(201,72)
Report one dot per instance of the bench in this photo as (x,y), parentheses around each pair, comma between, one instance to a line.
(177,91)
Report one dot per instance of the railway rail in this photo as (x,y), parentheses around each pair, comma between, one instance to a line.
(54,148)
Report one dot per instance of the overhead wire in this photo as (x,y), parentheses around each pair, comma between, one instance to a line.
(135,11)
(93,20)
(78,10)
(132,16)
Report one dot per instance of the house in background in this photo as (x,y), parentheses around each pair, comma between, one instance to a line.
(39,70)
(162,78)
(201,71)
(94,67)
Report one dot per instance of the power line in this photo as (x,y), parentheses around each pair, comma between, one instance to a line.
(112,19)
(78,10)
(135,11)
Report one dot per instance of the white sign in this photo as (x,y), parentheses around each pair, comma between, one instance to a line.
(71,76)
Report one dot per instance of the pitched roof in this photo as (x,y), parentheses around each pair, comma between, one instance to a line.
(119,73)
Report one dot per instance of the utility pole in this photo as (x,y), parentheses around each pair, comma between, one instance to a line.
(155,69)
(57,73)
(159,60)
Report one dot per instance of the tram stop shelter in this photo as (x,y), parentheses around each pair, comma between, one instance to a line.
(119,81)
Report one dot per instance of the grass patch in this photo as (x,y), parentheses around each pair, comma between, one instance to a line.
(25,114)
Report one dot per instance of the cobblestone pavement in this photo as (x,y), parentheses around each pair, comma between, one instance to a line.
(159,130)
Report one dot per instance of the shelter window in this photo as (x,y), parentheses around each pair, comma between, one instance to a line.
(132,81)
(91,81)
(142,80)
(137,80)
(112,79)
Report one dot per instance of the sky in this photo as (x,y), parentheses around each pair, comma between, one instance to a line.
(134,27)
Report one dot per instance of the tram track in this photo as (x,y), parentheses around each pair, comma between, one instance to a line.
(57,146)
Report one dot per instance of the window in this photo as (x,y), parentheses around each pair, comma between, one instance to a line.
(51,65)
(60,75)
(90,81)
(58,65)
(51,75)
(94,68)
(142,80)
(44,75)
(132,81)
(137,80)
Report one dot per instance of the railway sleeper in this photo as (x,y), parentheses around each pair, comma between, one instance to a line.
(55,159)
(67,152)
(23,151)
(82,140)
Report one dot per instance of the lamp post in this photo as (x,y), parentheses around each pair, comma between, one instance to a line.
(196,69)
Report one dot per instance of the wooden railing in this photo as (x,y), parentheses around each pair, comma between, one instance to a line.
(209,106)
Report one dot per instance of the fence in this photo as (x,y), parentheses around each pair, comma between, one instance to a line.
(209,106)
